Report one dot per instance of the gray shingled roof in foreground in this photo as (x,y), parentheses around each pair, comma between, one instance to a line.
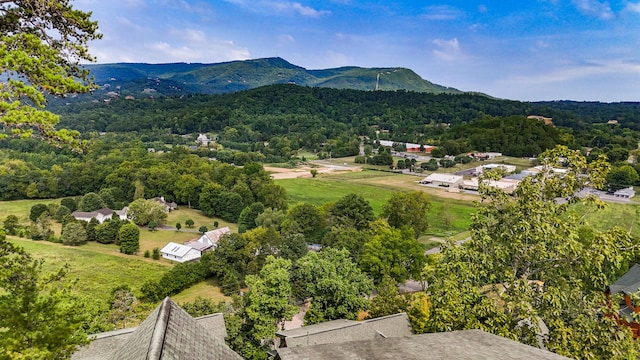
(168,333)
(466,344)
(338,331)
(628,283)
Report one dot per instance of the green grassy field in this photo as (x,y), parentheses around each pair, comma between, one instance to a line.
(207,289)
(322,190)
(448,216)
(97,272)
(624,215)
(101,267)
(21,208)
(183,213)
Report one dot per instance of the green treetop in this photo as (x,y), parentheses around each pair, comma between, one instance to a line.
(531,259)
(41,46)
(39,319)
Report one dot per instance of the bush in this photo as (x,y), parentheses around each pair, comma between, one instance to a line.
(37,210)
(129,239)
(147,254)
(73,234)
(61,213)
(107,232)
(69,203)
(156,254)
(175,280)
(11,225)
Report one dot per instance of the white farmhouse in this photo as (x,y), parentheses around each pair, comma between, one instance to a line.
(180,253)
(101,215)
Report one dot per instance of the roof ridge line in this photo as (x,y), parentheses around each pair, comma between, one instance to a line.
(159,331)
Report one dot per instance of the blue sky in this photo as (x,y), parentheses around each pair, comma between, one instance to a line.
(523,50)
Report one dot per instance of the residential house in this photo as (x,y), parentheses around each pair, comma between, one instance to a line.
(626,193)
(465,344)
(180,253)
(203,140)
(627,285)
(340,331)
(101,215)
(168,205)
(484,156)
(192,250)
(168,333)
(209,240)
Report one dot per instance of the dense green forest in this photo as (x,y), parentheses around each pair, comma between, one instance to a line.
(271,124)
(312,117)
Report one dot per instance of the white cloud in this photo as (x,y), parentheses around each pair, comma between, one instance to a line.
(483,8)
(290,7)
(577,72)
(601,10)
(634,7)
(287,6)
(285,39)
(442,12)
(542,44)
(447,49)
(336,59)
(189,35)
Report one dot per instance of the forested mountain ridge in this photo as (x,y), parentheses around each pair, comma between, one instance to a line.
(186,78)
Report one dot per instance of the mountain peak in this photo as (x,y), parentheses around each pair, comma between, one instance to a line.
(246,74)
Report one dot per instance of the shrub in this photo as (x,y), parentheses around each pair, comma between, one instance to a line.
(37,210)
(129,239)
(73,234)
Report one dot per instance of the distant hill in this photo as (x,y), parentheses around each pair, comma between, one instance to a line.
(138,79)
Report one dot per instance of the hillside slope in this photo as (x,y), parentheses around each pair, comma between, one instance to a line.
(181,78)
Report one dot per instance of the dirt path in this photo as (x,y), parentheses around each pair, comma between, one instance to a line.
(305,171)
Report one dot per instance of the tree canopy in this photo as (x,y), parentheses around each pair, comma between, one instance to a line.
(531,259)
(39,318)
(41,46)
(335,284)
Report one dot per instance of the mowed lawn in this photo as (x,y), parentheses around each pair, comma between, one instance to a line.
(183,213)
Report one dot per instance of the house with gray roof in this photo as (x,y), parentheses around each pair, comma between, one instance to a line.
(101,215)
(465,344)
(339,331)
(211,237)
(169,333)
(627,285)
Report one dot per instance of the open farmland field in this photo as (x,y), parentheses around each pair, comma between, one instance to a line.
(623,215)
(21,208)
(97,272)
(449,215)
(101,267)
